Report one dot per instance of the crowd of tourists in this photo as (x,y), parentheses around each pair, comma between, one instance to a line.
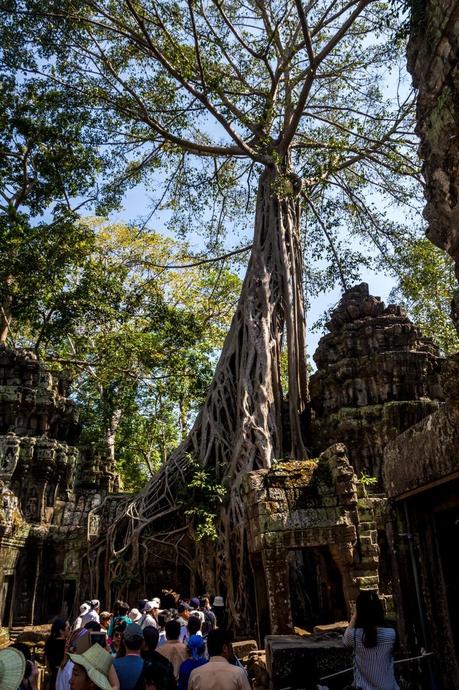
(182,648)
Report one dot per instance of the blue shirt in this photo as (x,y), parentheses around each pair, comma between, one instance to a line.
(185,671)
(128,669)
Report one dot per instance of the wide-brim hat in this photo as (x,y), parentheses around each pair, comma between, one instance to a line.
(96,661)
(218,601)
(12,668)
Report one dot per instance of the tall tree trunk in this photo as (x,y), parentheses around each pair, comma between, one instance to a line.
(5,310)
(110,435)
(240,427)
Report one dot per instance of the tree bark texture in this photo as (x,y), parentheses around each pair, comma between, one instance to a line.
(240,427)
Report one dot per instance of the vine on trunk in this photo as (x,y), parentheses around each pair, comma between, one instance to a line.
(241,427)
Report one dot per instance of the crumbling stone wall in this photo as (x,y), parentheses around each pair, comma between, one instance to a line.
(433,54)
(421,474)
(376,376)
(306,504)
(49,487)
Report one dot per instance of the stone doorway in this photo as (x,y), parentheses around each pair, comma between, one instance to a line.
(447,534)
(316,587)
(6,598)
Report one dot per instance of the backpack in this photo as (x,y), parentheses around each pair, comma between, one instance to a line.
(208,625)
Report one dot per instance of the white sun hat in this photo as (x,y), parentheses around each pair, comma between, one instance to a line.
(12,668)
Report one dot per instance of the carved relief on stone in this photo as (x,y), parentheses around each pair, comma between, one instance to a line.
(9,454)
(31,506)
(93,525)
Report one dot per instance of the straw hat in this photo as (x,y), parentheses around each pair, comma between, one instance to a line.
(96,661)
(12,668)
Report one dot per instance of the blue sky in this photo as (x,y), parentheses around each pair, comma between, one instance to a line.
(136,204)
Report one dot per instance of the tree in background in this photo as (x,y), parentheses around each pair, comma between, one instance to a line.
(279,96)
(45,163)
(427,285)
(138,340)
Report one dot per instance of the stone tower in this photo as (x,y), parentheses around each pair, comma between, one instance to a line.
(376,376)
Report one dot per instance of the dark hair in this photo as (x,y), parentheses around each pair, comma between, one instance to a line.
(93,625)
(155,674)
(151,637)
(193,625)
(120,627)
(370,616)
(217,639)
(123,608)
(172,630)
(163,617)
(58,625)
(24,648)
(116,607)
(133,645)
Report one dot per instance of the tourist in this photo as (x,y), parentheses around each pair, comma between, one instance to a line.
(218,609)
(92,614)
(156,607)
(183,611)
(163,617)
(93,669)
(92,626)
(104,619)
(196,648)
(30,679)
(147,618)
(55,649)
(31,672)
(130,667)
(373,644)
(135,615)
(120,615)
(193,628)
(117,638)
(154,678)
(210,622)
(151,656)
(219,673)
(84,608)
(174,650)
(65,671)
(12,668)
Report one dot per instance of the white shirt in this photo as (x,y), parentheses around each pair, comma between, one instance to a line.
(146,620)
(92,615)
(64,675)
(373,666)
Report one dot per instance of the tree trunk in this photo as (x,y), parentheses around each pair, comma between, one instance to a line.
(5,311)
(240,427)
(110,436)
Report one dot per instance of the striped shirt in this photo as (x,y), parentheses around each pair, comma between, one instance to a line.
(373,666)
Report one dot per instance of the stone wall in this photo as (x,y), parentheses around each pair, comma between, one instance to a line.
(49,489)
(421,476)
(433,54)
(302,509)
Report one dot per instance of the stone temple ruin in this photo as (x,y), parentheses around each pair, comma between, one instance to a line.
(319,530)
(48,485)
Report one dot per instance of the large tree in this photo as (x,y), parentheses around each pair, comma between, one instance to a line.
(220,95)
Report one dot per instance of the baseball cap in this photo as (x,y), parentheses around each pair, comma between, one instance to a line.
(133,633)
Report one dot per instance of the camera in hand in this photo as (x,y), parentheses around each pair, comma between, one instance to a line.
(98,638)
